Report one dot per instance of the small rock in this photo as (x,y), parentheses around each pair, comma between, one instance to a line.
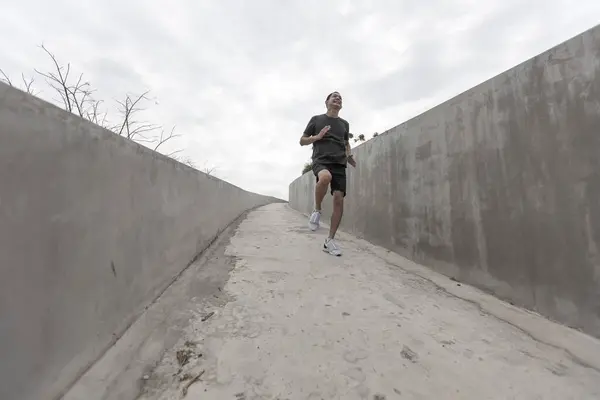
(207,316)
(146,377)
(409,354)
(183,357)
(345,314)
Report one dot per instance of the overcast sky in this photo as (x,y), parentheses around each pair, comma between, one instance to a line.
(240,79)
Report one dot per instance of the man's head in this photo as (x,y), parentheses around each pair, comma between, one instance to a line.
(334,101)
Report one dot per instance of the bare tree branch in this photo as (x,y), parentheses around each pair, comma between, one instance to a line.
(76,95)
(59,80)
(130,127)
(92,112)
(163,139)
(185,160)
(28,84)
(174,153)
(5,78)
(80,89)
(94,115)
(209,171)
(137,131)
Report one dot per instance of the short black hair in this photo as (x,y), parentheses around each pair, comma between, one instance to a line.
(329,95)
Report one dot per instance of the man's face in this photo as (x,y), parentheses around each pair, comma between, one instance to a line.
(335,101)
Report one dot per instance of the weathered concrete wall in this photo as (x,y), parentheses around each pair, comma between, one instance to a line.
(498,187)
(92,228)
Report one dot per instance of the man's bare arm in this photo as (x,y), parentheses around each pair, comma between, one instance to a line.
(349,155)
(306,140)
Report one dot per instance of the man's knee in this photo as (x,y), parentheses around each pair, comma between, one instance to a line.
(324,177)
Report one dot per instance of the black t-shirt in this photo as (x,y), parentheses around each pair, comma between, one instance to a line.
(332,148)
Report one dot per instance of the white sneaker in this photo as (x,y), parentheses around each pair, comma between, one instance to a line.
(332,248)
(313,221)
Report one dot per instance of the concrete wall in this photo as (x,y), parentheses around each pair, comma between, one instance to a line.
(498,187)
(92,228)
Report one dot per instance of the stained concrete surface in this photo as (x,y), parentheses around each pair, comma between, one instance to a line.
(296,323)
(119,373)
(498,186)
(92,228)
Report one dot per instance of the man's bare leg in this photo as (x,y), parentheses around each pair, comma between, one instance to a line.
(320,192)
(330,245)
(338,211)
(321,188)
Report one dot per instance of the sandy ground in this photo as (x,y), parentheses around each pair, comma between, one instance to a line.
(293,322)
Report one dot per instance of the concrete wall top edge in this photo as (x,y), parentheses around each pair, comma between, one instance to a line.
(403,127)
(9,93)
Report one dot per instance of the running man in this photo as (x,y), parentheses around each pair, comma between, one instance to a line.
(329,135)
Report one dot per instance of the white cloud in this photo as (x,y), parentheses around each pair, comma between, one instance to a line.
(240,79)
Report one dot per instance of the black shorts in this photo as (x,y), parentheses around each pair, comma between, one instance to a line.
(338,176)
